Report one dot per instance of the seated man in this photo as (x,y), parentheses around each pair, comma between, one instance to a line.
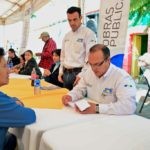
(112,89)
(12,112)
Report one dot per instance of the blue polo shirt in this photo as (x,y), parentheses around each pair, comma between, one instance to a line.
(13,115)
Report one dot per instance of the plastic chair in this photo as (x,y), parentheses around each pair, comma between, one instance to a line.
(147,79)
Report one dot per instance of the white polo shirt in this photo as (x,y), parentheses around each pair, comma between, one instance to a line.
(75,48)
(115,91)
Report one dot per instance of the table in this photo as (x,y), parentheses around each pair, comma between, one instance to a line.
(22,89)
(18,76)
(48,119)
(105,133)
(63,128)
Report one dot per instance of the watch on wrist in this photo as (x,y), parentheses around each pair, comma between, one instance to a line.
(97,108)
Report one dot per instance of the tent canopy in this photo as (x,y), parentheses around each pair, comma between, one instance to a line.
(14,10)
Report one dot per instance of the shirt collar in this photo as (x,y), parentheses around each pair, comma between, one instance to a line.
(78,30)
(108,71)
(57,63)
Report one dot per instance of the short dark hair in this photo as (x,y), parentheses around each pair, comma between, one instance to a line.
(2,51)
(103,48)
(74,9)
(57,52)
(12,50)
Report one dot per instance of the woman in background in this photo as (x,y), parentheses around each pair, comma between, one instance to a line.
(17,68)
(30,63)
(51,75)
(12,58)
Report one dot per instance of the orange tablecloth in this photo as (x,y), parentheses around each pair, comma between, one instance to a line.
(22,89)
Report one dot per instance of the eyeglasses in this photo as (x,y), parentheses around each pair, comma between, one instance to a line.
(97,65)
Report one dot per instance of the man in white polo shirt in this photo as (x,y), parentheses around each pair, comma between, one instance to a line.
(75,48)
(112,89)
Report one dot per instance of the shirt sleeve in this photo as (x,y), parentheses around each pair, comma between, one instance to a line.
(79,91)
(62,56)
(48,48)
(14,115)
(126,99)
(89,42)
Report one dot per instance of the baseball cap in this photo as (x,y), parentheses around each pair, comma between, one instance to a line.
(43,34)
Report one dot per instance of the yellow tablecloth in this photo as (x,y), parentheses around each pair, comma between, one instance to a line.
(22,89)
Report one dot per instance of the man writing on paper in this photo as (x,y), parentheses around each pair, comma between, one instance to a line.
(12,111)
(111,88)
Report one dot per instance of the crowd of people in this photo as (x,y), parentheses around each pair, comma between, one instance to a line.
(81,65)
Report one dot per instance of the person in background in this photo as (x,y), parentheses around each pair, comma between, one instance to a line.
(12,57)
(17,68)
(111,88)
(12,111)
(75,48)
(30,63)
(51,75)
(46,55)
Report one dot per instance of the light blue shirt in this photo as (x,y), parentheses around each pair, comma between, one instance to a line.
(56,66)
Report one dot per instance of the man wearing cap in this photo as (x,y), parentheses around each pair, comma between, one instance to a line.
(46,55)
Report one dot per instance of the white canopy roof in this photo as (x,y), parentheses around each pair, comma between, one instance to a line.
(14,10)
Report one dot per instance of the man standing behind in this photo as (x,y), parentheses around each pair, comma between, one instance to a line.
(75,48)
(46,55)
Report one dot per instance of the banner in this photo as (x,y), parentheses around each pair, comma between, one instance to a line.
(113,25)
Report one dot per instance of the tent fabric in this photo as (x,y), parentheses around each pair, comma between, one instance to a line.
(29,6)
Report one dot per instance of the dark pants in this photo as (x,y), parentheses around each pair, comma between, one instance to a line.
(10,142)
(69,77)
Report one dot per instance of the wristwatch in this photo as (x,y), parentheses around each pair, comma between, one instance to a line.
(97,109)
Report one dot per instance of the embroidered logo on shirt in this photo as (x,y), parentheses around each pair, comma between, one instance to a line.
(127,85)
(80,40)
(92,41)
(107,91)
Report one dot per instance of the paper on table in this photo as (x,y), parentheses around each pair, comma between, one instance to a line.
(51,87)
(71,104)
(81,104)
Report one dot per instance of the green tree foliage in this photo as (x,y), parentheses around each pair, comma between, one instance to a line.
(139,12)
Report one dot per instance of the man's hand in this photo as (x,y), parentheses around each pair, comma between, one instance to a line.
(66,99)
(89,110)
(60,78)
